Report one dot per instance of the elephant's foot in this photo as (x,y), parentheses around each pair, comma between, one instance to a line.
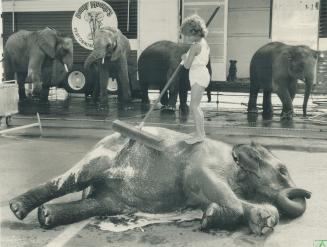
(184,109)
(287,116)
(23,99)
(209,96)
(252,118)
(252,110)
(125,106)
(51,215)
(45,216)
(267,115)
(36,94)
(101,107)
(208,218)
(101,104)
(216,216)
(44,96)
(21,207)
(44,100)
(262,219)
(145,100)
(168,109)
(252,115)
(22,95)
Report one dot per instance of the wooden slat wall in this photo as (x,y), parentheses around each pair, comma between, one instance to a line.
(322,60)
(323,19)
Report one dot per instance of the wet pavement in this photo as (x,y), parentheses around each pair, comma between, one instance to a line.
(71,126)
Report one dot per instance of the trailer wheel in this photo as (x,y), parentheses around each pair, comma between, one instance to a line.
(76,82)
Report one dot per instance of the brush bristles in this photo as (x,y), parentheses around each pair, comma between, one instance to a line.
(138,135)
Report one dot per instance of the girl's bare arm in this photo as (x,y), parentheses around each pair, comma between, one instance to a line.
(194,51)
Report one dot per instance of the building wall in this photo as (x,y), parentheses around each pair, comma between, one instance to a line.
(248,29)
(1,45)
(158,21)
(40,5)
(248,24)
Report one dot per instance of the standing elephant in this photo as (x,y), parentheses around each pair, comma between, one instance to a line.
(42,57)
(156,65)
(276,67)
(237,184)
(109,59)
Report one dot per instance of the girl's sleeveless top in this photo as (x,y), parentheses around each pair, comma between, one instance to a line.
(202,59)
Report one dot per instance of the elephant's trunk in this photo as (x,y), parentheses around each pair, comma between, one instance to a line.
(95,55)
(68,62)
(291,201)
(308,87)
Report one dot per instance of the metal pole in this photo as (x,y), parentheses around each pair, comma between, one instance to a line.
(128,5)
(25,126)
(13,16)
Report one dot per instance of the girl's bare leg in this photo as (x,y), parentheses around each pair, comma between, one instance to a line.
(196,96)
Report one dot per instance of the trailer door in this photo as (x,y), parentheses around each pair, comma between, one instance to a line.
(158,20)
(296,22)
(217,37)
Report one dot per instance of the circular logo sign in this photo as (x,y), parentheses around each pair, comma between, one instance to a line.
(88,18)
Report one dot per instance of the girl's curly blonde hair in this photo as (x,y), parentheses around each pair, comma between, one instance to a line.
(194,25)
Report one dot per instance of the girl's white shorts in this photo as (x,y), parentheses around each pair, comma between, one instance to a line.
(200,76)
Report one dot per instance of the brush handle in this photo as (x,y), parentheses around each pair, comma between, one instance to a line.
(212,16)
(161,94)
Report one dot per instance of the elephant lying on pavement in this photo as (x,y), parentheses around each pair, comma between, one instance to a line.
(42,57)
(156,65)
(276,67)
(244,183)
(109,58)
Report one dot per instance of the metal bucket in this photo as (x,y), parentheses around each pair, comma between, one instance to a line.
(8,98)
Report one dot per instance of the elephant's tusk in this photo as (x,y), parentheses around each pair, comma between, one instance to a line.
(66,68)
(103,60)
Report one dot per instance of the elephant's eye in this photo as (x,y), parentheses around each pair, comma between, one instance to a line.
(282,170)
(109,46)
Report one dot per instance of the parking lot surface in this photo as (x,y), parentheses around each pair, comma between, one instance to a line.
(71,126)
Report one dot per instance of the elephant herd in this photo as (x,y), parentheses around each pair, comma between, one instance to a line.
(45,57)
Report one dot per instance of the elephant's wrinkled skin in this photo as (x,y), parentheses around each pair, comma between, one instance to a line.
(276,67)
(246,183)
(156,65)
(42,57)
(109,58)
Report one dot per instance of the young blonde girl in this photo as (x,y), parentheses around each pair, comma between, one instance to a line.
(194,32)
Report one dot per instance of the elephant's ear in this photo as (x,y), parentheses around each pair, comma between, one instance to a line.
(46,40)
(120,49)
(247,158)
